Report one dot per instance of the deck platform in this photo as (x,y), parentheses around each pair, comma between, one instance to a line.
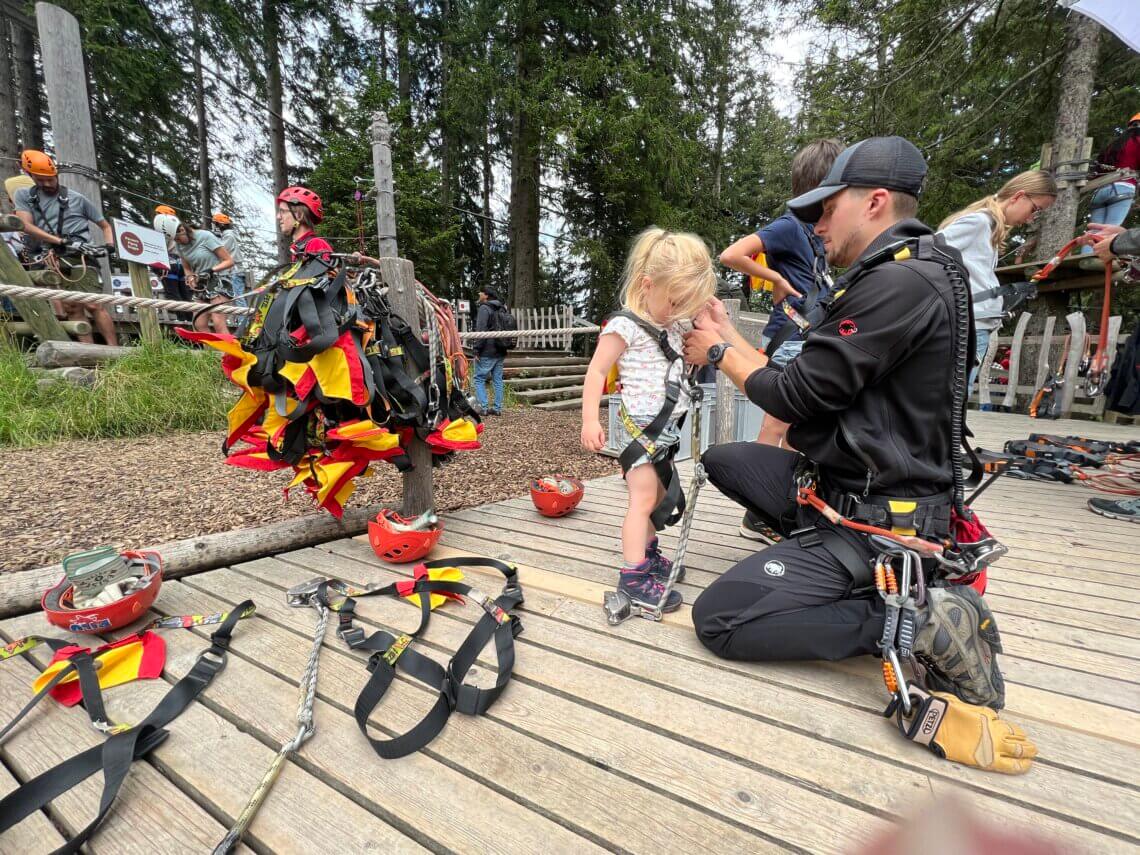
(630,739)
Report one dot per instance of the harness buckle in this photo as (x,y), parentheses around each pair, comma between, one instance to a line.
(489,606)
(302,595)
(353,636)
(450,687)
(212,660)
(396,650)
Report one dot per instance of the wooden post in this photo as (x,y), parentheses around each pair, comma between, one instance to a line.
(400,277)
(385,196)
(66,82)
(27,87)
(37,313)
(1043,354)
(9,140)
(1113,335)
(149,330)
(1010,399)
(726,392)
(1076,323)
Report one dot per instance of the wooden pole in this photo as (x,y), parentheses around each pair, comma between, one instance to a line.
(399,275)
(58,354)
(65,79)
(9,140)
(27,86)
(140,287)
(385,191)
(726,392)
(37,313)
(24,328)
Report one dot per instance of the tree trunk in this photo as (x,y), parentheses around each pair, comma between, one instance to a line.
(1081,43)
(205,190)
(29,104)
(404,26)
(486,225)
(272,33)
(446,133)
(524,165)
(9,141)
(383,53)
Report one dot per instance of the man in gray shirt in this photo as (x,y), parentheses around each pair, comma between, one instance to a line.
(59,219)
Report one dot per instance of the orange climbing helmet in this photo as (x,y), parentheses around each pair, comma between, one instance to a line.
(36,162)
(394,540)
(222,219)
(59,605)
(1135,120)
(556,495)
(165,209)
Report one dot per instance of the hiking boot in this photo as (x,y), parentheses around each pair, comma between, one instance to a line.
(662,566)
(1117,509)
(642,586)
(754,528)
(957,640)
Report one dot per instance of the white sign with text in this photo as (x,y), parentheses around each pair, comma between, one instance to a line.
(140,244)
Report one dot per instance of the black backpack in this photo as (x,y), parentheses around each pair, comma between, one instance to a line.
(503,321)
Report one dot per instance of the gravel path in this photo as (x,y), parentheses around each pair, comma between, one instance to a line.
(135,492)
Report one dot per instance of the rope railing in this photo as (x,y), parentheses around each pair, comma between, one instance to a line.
(86,298)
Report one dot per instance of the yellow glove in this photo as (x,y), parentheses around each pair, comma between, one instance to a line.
(965,733)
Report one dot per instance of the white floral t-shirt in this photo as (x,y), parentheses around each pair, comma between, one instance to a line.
(643,368)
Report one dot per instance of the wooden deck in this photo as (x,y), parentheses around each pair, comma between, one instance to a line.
(629,739)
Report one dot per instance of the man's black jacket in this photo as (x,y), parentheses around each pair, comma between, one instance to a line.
(870,397)
(485,322)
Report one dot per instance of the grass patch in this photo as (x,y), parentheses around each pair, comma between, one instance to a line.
(158,389)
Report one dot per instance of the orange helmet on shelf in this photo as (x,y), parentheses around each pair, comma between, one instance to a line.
(36,162)
(556,495)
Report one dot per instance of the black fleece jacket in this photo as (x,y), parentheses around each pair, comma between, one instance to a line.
(870,397)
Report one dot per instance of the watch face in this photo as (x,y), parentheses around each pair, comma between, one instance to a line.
(715,353)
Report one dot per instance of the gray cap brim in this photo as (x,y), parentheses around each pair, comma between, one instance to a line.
(808,208)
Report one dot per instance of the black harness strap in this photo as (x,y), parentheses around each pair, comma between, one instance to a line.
(672,505)
(115,755)
(37,212)
(392,651)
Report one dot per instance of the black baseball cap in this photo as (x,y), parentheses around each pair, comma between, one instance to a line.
(889,162)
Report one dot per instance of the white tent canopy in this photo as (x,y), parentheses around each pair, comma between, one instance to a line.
(1122,17)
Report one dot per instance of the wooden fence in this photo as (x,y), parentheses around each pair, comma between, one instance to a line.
(1033,358)
(542,318)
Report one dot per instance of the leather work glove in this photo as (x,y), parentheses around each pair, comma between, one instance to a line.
(965,733)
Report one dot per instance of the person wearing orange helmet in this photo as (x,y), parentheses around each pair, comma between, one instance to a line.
(165,209)
(299,211)
(223,228)
(59,219)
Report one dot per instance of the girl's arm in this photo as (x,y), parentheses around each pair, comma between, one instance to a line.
(606,354)
(227,260)
(738,257)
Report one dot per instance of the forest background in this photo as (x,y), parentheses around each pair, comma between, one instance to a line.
(533,139)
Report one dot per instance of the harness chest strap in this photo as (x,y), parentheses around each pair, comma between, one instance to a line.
(390,652)
(114,756)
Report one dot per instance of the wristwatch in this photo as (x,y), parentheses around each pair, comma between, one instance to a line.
(717,351)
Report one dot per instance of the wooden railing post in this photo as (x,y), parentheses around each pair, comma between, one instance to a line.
(37,313)
(726,392)
(1076,323)
(1015,346)
(140,287)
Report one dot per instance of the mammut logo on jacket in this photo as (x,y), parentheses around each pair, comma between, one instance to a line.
(847,327)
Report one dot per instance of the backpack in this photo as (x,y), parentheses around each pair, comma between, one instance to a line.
(503,321)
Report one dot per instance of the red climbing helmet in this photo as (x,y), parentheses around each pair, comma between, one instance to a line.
(395,541)
(303,196)
(556,495)
(60,609)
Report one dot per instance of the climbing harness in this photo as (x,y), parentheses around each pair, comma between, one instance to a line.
(305,726)
(433,583)
(125,743)
(1072,459)
(400,540)
(1046,403)
(617,605)
(556,495)
(646,441)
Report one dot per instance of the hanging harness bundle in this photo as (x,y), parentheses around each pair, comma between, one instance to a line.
(645,441)
(433,583)
(125,743)
(333,380)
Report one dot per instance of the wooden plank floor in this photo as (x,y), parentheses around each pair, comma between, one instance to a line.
(630,739)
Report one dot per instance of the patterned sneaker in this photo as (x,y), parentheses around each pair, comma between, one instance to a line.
(642,586)
(754,528)
(957,640)
(662,566)
(1117,509)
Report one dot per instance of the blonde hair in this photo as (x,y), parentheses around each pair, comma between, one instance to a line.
(677,261)
(1035,182)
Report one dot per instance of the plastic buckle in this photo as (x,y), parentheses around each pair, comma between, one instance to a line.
(449,689)
(213,660)
(489,606)
(807,537)
(353,636)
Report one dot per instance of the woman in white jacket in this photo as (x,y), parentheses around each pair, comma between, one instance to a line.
(978,232)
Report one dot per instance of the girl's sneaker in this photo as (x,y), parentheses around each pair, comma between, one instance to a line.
(662,566)
(642,586)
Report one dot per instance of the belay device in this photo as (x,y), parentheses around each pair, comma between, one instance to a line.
(617,604)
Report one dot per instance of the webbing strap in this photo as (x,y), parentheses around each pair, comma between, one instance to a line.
(115,755)
(390,652)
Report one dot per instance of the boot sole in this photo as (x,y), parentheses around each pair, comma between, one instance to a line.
(966,640)
(1112,515)
(748,533)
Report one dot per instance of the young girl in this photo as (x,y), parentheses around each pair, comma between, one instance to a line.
(979,231)
(668,279)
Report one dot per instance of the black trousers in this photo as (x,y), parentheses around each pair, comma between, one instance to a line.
(788,601)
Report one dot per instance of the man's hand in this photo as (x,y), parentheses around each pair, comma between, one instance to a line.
(191,279)
(714,312)
(593,437)
(703,336)
(1099,236)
